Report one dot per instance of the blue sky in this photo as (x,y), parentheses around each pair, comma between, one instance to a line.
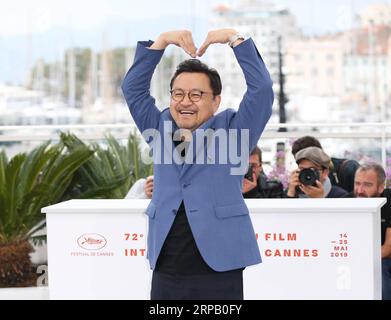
(46,27)
(19,16)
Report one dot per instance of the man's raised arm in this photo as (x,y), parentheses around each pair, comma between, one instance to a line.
(137,83)
(256,106)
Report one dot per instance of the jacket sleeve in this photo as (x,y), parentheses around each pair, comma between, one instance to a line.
(136,87)
(256,106)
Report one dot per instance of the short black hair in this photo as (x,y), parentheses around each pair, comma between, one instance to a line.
(305,142)
(196,66)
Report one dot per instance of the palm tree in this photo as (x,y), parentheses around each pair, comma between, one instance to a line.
(28,183)
(112,170)
(51,174)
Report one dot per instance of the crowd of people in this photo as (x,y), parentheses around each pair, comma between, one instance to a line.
(317,176)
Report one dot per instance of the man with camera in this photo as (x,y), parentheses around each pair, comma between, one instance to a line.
(341,170)
(255,182)
(311,179)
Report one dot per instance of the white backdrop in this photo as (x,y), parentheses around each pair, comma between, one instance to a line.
(311,249)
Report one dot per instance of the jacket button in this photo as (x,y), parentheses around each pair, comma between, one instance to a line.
(186,185)
(174,211)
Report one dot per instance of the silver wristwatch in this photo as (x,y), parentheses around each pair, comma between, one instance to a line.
(234,38)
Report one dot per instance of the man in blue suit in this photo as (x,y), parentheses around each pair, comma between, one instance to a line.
(200,234)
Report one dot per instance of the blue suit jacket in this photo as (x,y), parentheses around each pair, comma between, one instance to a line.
(217,213)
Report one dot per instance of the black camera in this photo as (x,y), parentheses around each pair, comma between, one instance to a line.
(272,189)
(249,174)
(309,176)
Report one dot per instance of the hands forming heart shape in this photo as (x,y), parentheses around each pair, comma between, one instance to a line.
(184,40)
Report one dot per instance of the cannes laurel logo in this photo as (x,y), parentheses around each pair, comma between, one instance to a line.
(92,241)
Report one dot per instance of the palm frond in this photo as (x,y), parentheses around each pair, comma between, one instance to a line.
(70,169)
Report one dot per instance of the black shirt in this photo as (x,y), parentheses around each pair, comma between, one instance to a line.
(179,254)
(385,213)
(335,192)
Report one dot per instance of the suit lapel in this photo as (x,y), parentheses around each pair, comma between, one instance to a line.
(169,147)
(197,149)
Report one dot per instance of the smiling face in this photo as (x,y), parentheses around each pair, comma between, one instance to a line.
(186,113)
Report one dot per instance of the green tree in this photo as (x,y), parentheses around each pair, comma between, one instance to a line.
(29,182)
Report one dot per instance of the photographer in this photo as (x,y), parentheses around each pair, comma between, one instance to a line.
(255,183)
(341,170)
(311,179)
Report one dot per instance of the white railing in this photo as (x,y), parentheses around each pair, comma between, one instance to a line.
(381,131)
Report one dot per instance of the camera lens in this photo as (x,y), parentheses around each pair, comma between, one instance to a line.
(308,177)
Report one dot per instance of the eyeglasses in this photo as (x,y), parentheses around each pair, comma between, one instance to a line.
(194,95)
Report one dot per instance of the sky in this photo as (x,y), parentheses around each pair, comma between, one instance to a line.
(19,16)
(30,29)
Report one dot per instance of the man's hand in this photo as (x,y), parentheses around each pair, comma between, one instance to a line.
(313,192)
(249,185)
(184,40)
(293,183)
(148,187)
(180,38)
(217,36)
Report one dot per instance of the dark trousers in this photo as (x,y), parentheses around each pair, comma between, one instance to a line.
(215,286)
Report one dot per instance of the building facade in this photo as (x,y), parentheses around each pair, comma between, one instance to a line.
(264,22)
